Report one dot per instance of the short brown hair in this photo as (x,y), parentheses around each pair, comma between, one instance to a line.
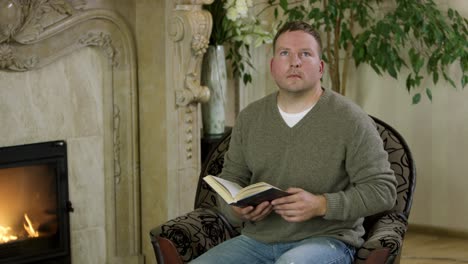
(299,26)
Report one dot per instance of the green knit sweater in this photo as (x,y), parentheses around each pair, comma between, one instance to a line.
(334,150)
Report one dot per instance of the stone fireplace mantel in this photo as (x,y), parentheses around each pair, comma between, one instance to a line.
(69,71)
(53,86)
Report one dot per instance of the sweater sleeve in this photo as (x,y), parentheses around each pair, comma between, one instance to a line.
(372,187)
(235,168)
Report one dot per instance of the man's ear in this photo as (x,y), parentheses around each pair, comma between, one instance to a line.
(271,65)
(322,67)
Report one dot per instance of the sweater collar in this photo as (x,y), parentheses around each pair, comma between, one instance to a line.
(273,105)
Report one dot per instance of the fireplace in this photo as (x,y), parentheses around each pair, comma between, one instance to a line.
(34,206)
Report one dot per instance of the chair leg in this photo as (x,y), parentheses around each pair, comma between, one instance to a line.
(378,256)
(397,259)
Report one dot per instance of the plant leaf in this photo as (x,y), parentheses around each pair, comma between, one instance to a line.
(429,93)
(435,77)
(416,98)
(284,4)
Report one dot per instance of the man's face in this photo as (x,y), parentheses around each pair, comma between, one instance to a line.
(296,65)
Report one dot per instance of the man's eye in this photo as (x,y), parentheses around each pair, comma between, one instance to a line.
(306,54)
(283,53)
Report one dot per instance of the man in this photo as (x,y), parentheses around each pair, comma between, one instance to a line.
(320,147)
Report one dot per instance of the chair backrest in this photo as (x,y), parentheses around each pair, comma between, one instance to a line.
(402,163)
(399,156)
(387,229)
(206,197)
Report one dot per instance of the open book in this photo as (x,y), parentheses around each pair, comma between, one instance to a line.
(252,195)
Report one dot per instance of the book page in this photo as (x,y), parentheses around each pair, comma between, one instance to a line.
(253,189)
(232,187)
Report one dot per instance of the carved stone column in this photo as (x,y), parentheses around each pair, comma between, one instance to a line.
(189,31)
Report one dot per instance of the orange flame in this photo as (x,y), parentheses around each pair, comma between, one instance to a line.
(5,236)
(5,232)
(29,228)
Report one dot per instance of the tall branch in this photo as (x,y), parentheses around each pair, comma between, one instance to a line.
(336,51)
(344,76)
(331,65)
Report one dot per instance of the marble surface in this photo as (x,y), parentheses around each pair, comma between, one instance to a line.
(64,101)
(57,102)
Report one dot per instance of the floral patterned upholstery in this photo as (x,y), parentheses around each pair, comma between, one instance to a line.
(184,238)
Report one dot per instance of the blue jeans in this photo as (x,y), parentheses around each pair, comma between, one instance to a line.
(242,249)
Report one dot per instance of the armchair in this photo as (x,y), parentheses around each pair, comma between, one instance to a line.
(184,238)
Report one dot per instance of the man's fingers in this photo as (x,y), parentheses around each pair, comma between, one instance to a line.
(287,212)
(258,213)
(288,199)
(262,213)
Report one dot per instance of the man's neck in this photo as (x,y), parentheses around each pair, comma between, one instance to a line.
(298,102)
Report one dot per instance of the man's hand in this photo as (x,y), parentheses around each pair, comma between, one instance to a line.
(253,214)
(300,205)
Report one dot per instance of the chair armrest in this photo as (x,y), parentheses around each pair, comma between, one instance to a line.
(190,235)
(384,240)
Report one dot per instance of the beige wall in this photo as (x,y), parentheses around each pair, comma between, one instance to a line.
(436,132)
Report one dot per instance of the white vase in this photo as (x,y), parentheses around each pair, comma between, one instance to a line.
(214,77)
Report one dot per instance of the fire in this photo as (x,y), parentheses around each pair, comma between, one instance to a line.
(29,228)
(6,236)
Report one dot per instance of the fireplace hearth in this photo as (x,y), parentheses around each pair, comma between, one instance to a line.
(34,205)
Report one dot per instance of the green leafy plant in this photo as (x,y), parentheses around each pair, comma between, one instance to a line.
(236,27)
(387,35)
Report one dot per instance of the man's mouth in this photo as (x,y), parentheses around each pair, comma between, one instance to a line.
(291,76)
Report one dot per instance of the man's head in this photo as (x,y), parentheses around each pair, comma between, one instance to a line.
(299,26)
(296,66)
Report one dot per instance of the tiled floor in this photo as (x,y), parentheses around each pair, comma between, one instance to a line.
(421,248)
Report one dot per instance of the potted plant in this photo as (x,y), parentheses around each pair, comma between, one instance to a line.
(238,27)
(235,28)
(388,36)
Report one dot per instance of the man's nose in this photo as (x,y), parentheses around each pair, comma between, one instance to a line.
(295,60)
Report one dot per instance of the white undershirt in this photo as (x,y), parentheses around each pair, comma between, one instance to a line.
(293,119)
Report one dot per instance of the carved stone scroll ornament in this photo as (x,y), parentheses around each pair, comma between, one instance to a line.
(189,29)
(22,22)
(198,22)
(181,3)
(10,60)
(104,41)
(10,19)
